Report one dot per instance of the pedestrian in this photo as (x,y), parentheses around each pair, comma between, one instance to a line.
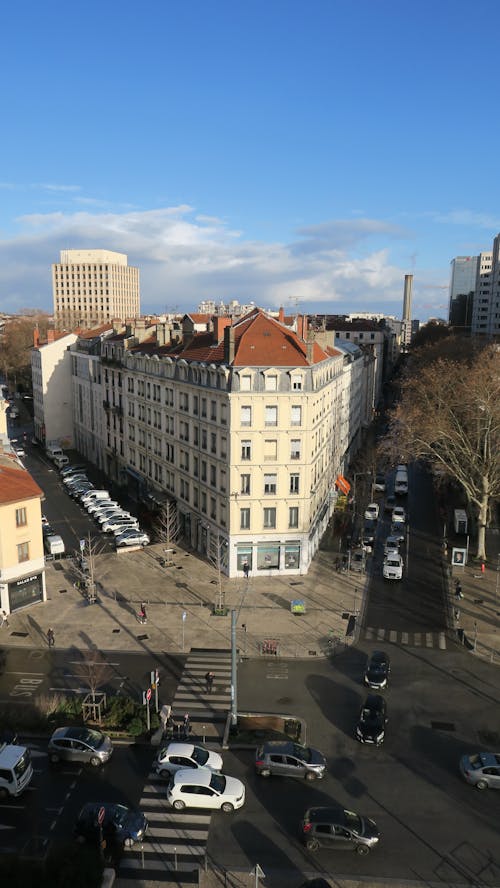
(143,617)
(458,589)
(246,569)
(209,678)
(457,614)
(186,726)
(5,621)
(50,638)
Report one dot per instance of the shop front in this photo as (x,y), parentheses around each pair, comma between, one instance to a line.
(26,591)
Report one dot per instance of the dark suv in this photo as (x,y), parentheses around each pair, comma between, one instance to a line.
(338,830)
(287,759)
(372,720)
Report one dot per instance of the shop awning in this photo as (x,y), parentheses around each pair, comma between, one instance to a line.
(342,484)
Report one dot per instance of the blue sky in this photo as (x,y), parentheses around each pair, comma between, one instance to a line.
(294,153)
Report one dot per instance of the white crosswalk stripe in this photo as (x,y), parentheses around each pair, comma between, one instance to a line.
(176,842)
(408,639)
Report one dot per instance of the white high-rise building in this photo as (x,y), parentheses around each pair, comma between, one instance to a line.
(92,287)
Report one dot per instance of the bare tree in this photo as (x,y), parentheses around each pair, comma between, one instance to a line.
(166,524)
(84,566)
(449,415)
(94,671)
(217,556)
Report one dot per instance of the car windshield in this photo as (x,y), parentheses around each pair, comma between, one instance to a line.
(218,782)
(119,815)
(200,756)
(352,821)
(392,562)
(302,752)
(92,738)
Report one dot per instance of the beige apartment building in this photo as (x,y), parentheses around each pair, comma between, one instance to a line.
(22,563)
(91,287)
(239,425)
(51,380)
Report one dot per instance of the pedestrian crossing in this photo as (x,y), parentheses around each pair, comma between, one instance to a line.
(175,846)
(408,639)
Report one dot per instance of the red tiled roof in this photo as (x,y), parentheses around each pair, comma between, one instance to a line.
(198,318)
(17,485)
(95,331)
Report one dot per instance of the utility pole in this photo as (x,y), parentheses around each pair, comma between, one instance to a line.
(234,694)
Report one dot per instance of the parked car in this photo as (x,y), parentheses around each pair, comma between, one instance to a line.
(391,545)
(202,788)
(481,769)
(372,720)
(19,451)
(94,507)
(377,670)
(121,825)
(372,511)
(398,515)
(80,745)
(110,512)
(132,538)
(368,535)
(77,491)
(72,470)
(393,567)
(379,482)
(398,532)
(338,830)
(74,478)
(185,755)
(124,522)
(390,502)
(283,758)
(358,560)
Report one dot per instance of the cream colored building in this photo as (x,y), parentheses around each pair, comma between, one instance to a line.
(87,394)
(52,395)
(22,563)
(91,287)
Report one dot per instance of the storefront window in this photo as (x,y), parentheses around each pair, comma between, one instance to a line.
(24,592)
(268,556)
(292,555)
(244,554)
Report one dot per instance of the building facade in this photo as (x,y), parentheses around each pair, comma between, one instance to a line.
(92,287)
(52,395)
(463,274)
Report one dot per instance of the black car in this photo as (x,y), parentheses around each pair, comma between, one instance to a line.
(338,830)
(377,670)
(368,535)
(121,825)
(390,502)
(372,719)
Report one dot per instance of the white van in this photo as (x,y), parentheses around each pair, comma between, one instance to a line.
(16,770)
(401,483)
(54,545)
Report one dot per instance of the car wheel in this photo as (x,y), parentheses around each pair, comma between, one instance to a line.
(54,758)
(227,807)
(362,849)
(482,784)
(310,775)
(128,842)
(164,773)
(179,805)
(95,761)
(312,844)
(265,773)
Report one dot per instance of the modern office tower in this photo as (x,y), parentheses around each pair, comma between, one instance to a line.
(406,319)
(481,304)
(494,317)
(91,287)
(462,289)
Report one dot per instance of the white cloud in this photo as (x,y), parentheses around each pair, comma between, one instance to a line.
(184,258)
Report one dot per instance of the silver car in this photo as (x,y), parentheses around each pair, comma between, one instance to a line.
(481,769)
(83,745)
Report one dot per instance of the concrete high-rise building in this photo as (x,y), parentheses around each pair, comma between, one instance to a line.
(91,287)
(481,303)
(462,289)
(406,330)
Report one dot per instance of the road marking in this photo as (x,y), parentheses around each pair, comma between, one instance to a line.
(393,635)
(14,807)
(442,641)
(70,690)
(404,638)
(428,639)
(369,633)
(417,639)
(380,634)
(24,673)
(91,663)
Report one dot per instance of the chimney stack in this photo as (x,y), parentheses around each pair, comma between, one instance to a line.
(229,347)
(51,335)
(310,346)
(220,322)
(281,316)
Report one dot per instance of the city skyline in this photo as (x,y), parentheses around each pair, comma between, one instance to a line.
(275,154)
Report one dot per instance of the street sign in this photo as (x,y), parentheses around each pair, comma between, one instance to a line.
(148,694)
(184,615)
(101,815)
(82,545)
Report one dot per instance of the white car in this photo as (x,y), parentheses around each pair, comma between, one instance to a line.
(371,512)
(185,755)
(391,545)
(69,480)
(107,514)
(94,507)
(398,515)
(393,567)
(19,451)
(132,538)
(202,788)
(127,522)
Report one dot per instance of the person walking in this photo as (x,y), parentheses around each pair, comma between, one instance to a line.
(209,678)
(186,726)
(4,619)
(143,617)
(50,638)
(458,590)
(246,569)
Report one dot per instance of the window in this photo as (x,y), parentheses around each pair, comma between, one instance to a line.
(271,416)
(294,449)
(245,383)
(293,516)
(245,484)
(213,476)
(23,552)
(20,517)
(296,416)
(296,383)
(246,450)
(269,518)
(244,519)
(270,450)
(294,483)
(270,483)
(271,384)
(246,416)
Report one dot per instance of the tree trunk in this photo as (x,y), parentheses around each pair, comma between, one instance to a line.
(481,531)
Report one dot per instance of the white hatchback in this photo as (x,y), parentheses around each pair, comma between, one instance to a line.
(398,515)
(202,788)
(185,755)
(372,511)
